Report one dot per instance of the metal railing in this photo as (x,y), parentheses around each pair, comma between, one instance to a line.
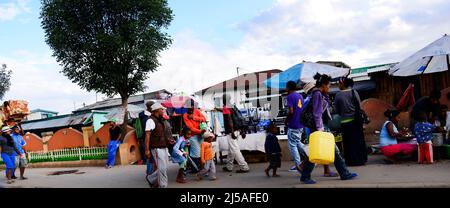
(72,154)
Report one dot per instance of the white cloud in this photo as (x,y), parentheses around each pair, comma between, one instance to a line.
(356,32)
(10,10)
(318,29)
(36,78)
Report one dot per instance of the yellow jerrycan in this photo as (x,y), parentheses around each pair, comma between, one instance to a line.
(321,148)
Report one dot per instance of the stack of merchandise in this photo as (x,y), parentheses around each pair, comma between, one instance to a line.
(14,110)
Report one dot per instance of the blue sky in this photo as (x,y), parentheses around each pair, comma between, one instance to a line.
(212,21)
(212,38)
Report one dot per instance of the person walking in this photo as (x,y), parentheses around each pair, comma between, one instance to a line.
(180,153)
(115,133)
(9,150)
(156,143)
(322,114)
(207,158)
(192,119)
(21,160)
(273,151)
(346,103)
(308,88)
(232,136)
(295,128)
(143,117)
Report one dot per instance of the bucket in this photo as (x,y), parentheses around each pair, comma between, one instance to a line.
(438,139)
(321,148)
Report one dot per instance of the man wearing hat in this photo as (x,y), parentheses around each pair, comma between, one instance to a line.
(115,132)
(156,144)
(21,161)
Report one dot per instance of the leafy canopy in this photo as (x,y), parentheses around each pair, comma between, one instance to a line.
(5,80)
(107,46)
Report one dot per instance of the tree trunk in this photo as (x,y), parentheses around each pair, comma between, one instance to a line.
(125,117)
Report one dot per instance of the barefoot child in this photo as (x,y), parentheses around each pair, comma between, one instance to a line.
(207,157)
(273,151)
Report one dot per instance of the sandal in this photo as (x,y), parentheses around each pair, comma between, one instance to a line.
(330,174)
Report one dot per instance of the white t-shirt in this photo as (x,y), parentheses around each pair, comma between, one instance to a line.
(150,125)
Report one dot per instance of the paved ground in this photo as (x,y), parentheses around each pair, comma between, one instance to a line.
(375,174)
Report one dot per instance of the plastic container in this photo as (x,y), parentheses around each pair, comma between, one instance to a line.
(321,148)
(203,126)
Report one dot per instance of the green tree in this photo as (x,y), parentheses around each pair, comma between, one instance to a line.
(5,77)
(107,46)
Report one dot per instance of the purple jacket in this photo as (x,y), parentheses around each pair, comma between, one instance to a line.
(321,105)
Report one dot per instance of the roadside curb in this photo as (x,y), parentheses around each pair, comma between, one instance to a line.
(378,185)
(65,164)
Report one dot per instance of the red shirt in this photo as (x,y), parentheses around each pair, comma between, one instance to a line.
(226,110)
(194,123)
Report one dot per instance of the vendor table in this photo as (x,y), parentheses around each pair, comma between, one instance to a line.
(251,142)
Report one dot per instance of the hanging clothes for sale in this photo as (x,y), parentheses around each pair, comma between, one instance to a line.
(217,126)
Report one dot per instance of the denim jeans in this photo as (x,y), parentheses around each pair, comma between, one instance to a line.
(339,163)
(296,147)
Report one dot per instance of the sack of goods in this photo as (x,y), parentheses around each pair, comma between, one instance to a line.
(17,109)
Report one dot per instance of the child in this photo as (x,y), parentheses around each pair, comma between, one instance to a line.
(424,133)
(180,153)
(273,150)
(207,157)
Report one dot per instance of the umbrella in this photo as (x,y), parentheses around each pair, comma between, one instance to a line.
(180,102)
(304,73)
(431,59)
(177,102)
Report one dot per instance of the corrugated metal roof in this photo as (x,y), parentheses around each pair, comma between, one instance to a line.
(374,68)
(42,110)
(57,121)
(114,102)
(362,73)
(242,81)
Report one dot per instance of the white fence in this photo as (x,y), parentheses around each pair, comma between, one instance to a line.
(83,153)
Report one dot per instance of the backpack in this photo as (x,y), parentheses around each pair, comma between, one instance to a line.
(306,116)
(238,119)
